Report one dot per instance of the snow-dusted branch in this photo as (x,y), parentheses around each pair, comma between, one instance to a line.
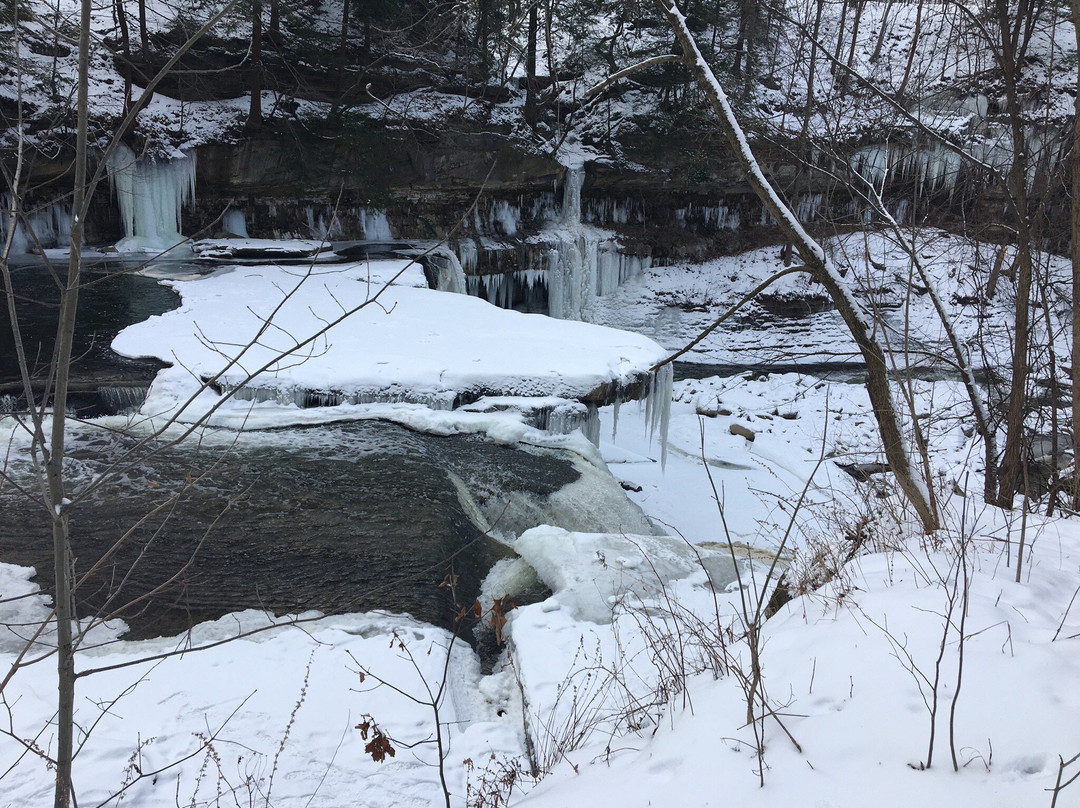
(918,491)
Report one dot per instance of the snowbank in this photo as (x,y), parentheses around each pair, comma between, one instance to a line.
(279,333)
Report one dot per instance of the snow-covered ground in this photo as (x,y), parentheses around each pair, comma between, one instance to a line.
(673,304)
(626,685)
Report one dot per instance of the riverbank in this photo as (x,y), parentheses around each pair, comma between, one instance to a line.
(625,680)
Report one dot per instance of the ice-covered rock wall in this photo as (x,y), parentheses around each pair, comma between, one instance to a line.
(562,269)
(151,194)
(39,227)
(935,168)
(330,223)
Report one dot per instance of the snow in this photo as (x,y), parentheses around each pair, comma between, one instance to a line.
(264,248)
(615,566)
(673,304)
(432,347)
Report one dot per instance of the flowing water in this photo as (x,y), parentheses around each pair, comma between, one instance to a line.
(340,518)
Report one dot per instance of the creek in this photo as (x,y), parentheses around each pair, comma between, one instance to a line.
(339,517)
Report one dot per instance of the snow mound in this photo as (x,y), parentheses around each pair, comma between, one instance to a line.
(365,332)
(258,248)
(589,572)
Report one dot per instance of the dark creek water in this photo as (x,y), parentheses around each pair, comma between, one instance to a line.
(110,298)
(338,518)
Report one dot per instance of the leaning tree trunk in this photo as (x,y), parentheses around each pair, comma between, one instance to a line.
(917,490)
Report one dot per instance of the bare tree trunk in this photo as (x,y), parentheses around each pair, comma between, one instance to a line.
(144,39)
(916,490)
(125,48)
(275,20)
(530,67)
(856,23)
(255,117)
(881,32)
(343,44)
(69,302)
(1017,185)
(840,34)
(1075,6)
(913,50)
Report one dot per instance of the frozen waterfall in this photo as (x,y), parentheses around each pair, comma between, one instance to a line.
(375,224)
(582,262)
(234,223)
(449,276)
(40,227)
(560,270)
(151,194)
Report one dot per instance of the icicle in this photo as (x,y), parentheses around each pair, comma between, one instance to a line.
(469,255)
(507,216)
(591,427)
(615,418)
(808,206)
(233,222)
(658,407)
(375,224)
(151,195)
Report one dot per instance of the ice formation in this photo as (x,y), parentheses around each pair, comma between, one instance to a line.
(46,226)
(808,206)
(580,261)
(346,222)
(151,194)
(525,289)
(603,212)
(306,397)
(658,406)
(561,270)
(719,216)
(559,416)
(450,277)
(233,222)
(933,167)
(375,224)
(507,216)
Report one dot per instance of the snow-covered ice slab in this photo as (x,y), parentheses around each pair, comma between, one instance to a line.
(259,248)
(373,332)
(587,572)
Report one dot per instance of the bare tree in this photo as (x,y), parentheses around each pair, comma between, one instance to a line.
(918,490)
